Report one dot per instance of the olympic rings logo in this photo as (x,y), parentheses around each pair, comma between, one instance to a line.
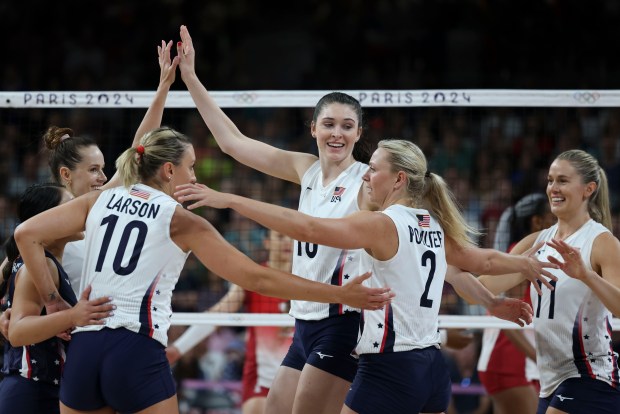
(246,98)
(586,97)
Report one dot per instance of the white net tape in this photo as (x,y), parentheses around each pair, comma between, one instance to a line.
(308,99)
(260,319)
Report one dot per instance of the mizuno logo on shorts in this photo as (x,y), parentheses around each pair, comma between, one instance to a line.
(562,398)
(323,355)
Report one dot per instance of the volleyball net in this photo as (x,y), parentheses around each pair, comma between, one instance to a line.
(491,146)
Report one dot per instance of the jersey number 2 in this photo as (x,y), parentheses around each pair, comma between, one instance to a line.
(110,221)
(425,302)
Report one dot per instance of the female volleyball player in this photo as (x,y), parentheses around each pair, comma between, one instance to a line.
(408,248)
(137,240)
(578,367)
(331,187)
(77,163)
(34,357)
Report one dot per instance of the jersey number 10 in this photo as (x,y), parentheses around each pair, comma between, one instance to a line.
(110,221)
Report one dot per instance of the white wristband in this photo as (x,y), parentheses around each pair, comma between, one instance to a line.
(443,336)
(192,336)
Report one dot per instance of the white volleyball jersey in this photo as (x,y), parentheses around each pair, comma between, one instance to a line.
(131,257)
(416,273)
(321,263)
(73,262)
(573,331)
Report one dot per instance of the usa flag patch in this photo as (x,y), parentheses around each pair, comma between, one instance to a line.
(136,192)
(338,191)
(424,220)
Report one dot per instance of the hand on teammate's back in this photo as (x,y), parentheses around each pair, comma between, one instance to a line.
(359,296)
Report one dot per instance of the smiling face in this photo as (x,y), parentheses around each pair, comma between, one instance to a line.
(336,130)
(88,174)
(567,192)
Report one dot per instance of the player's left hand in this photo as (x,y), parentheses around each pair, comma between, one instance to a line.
(573,264)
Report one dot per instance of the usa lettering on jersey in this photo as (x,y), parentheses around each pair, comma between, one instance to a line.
(337,196)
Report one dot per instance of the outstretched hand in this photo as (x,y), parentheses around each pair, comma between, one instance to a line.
(357,295)
(535,269)
(93,311)
(513,310)
(167,66)
(202,195)
(186,54)
(573,264)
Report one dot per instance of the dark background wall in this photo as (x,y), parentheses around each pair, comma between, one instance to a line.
(343,44)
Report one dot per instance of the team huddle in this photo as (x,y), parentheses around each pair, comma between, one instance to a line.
(381,233)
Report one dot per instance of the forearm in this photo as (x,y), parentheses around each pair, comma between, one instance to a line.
(34,329)
(502,283)
(154,115)
(494,262)
(470,289)
(223,129)
(152,120)
(283,285)
(608,293)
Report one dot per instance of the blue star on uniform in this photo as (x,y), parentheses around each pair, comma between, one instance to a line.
(155,308)
(590,354)
(376,344)
(156,326)
(157,292)
(350,258)
(586,336)
(585,319)
(346,276)
(380,325)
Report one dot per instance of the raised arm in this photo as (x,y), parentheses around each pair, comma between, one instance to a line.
(57,223)
(470,289)
(364,229)
(152,118)
(604,280)
(192,232)
(286,165)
